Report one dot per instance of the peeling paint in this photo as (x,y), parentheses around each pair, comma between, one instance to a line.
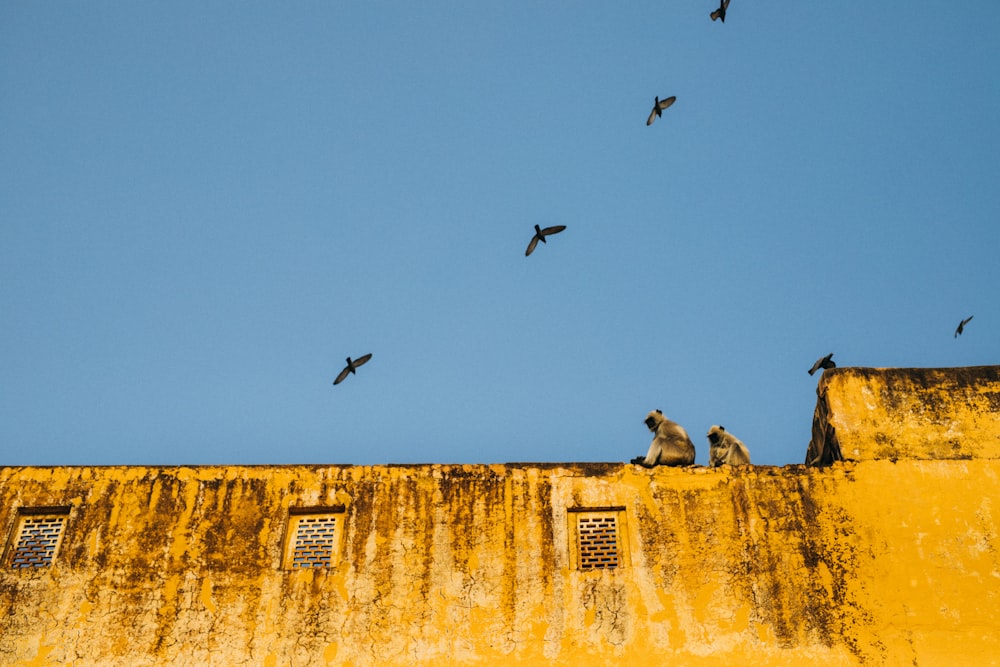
(906,413)
(847,565)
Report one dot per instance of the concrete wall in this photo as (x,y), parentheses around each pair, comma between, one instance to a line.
(865,562)
(916,413)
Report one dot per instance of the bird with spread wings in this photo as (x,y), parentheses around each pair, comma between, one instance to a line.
(351,368)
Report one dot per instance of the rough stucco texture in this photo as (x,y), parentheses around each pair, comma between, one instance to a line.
(854,564)
(915,413)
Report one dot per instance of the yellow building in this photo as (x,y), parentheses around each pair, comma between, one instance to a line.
(885,551)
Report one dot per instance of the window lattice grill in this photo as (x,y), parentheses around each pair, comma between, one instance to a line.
(37,540)
(597,541)
(314,541)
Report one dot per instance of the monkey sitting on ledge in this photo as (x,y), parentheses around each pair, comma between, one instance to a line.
(671,445)
(726,448)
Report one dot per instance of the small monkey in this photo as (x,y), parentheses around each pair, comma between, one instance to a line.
(726,448)
(671,445)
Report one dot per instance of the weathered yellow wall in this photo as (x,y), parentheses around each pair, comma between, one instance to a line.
(858,563)
(917,413)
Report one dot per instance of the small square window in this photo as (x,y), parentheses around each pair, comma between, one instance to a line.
(598,537)
(313,538)
(37,536)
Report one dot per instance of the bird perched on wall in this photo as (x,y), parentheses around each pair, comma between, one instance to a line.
(720,13)
(351,368)
(540,235)
(823,362)
(658,107)
(961,326)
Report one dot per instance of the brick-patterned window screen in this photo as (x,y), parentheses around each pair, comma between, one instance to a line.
(597,540)
(37,539)
(313,539)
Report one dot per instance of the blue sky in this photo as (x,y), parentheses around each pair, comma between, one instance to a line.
(206,207)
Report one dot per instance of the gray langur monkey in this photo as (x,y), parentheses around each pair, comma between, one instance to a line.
(726,448)
(671,445)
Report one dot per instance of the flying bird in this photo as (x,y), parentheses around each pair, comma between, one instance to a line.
(961,326)
(540,235)
(823,362)
(658,107)
(720,13)
(352,367)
